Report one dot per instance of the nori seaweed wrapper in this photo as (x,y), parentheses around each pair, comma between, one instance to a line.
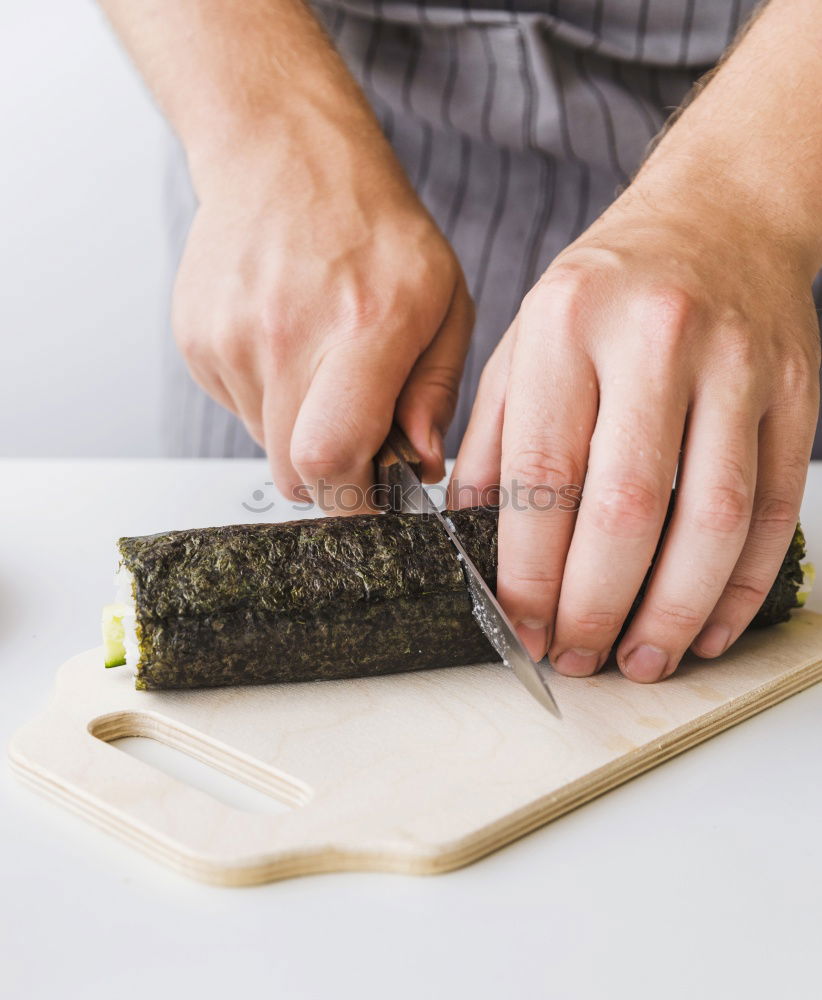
(305,600)
(325,598)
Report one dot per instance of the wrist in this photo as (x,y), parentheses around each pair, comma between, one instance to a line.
(719,192)
(235,148)
(281,147)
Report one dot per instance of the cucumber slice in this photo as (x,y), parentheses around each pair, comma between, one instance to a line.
(114,647)
(808,577)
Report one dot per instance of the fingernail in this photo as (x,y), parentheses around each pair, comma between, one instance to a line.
(712,640)
(577,662)
(534,637)
(435,445)
(645,664)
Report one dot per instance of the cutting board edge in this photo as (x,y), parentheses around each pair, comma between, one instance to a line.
(446,857)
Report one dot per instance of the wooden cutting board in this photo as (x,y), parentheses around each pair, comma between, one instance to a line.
(414,773)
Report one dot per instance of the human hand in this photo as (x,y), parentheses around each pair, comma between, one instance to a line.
(315,297)
(670,338)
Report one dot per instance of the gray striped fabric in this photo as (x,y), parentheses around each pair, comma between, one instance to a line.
(517,127)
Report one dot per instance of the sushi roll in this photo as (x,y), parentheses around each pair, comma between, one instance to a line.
(327,598)
(316,599)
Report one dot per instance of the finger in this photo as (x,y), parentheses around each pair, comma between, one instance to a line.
(220,366)
(209,381)
(279,408)
(344,418)
(196,345)
(475,476)
(245,386)
(229,395)
(633,458)
(784,454)
(550,411)
(710,522)
(428,399)
(265,377)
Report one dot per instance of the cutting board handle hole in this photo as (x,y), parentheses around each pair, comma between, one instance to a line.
(236,781)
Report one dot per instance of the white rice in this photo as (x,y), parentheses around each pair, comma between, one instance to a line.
(124,582)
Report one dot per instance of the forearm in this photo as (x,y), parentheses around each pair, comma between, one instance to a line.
(232,74)
(754,136)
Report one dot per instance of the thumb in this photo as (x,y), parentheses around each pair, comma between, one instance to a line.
(429,397)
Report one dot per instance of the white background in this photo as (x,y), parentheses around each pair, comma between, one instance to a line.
(83,261)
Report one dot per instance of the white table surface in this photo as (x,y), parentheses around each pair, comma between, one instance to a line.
(701,878)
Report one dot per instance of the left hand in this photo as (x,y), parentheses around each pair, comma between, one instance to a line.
(672,337)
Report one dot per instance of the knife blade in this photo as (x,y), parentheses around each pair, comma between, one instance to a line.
(407,493)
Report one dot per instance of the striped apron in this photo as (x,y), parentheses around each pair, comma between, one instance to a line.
(517,126)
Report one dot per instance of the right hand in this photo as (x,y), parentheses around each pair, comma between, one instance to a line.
(316,297)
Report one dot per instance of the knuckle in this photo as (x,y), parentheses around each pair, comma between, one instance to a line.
(529,579)
(188,338)
(725,511)
(678,617)
(230,347)
(668,310)
(359,307)
(799,377)
(565,280)
(442,379)
(532,310)
(318,456)
(775,516)
(592,622)
(442,269)
(542,467)
(555,300)
(627,508)
(747,591)
(435,393)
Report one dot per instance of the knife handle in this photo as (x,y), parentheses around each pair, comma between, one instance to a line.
(386,465)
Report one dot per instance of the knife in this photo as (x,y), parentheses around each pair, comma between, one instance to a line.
(398,473)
